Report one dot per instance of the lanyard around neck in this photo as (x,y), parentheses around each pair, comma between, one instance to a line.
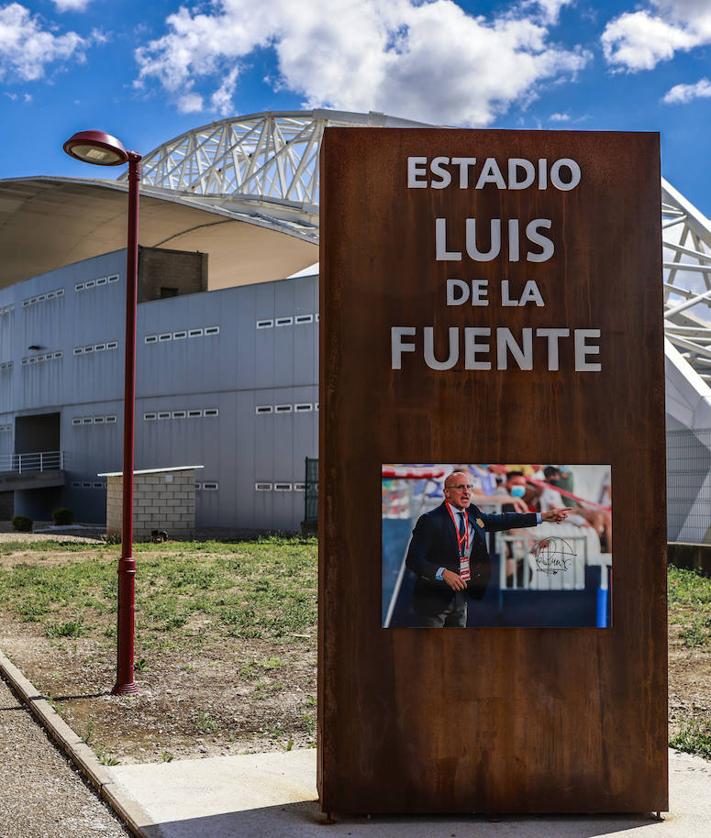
(462,540)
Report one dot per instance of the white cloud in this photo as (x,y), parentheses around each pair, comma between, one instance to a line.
(71,5)
(190,103)
(559,117)
(549,9)
(426,60)
(680,94)
(640,40)
(26,48)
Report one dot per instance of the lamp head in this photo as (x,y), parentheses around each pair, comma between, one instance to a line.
(96,147)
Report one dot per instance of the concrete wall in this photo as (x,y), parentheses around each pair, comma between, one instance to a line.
(204,370)
(161,501)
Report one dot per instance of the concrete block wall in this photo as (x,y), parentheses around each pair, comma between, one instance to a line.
(162,500)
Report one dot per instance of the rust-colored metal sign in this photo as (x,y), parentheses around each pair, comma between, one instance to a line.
(491,298)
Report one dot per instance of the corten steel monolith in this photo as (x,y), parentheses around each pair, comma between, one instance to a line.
(518,720)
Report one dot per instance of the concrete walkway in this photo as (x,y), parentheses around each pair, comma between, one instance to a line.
(274,796)
(40,795)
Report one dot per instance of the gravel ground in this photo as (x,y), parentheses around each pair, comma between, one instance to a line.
(40,795)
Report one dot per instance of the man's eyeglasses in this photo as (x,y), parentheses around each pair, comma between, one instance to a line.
(461,487)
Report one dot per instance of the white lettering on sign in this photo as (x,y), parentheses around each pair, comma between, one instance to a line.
(485,245)
(485,240)
(528,350)
(441,172)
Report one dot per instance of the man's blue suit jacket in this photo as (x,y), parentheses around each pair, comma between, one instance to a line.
(434,545)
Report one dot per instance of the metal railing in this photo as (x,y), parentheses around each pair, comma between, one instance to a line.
(36,461)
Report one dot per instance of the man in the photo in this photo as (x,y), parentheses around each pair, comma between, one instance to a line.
(449,556)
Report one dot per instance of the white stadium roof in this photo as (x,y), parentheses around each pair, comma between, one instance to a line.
(245,190)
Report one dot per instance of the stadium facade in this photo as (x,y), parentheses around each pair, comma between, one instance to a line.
(228,329)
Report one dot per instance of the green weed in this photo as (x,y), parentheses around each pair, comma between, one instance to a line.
(694,737)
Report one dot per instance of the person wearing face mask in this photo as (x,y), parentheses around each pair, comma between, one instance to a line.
(449,556)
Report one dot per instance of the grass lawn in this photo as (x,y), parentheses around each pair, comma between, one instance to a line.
(225,642)
(690,662)
(226,645)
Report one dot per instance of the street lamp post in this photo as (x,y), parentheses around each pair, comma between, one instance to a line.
(104,150)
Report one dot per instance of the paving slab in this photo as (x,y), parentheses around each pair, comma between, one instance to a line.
(273,795)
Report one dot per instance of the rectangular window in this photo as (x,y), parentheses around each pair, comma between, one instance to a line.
(79,286)
(164,414)
(264,408)
(98,485)
(151,339)
(110,420)
(304,318)
(210,487)
(283,321)
(112,344)
(282,487)
(113,278)
(25,303)
(179,335)
(304,407)
(282,408)
(178,414)
(195,333)
(58,355)
(316,316)
(316,406)
(299,487)
(98,420)
(90,283)
(167,336)
(76,420)
(212,330)
(265,324)
(88,349)
(60,292)
(86,484)
(194,414)
(198,486)
(149,417)
(263,487)
(99,347)
(101,281)
(41,298)
(51,295)
(210,411)
(76,484)
(87,420)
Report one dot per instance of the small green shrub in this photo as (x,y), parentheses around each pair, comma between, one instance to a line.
(63,516)
(20,523)
(72,628)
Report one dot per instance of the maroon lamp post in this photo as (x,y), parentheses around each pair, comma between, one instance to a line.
(104,150)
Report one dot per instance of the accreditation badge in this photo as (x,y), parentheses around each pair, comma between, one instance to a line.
(464,570)
(479,523)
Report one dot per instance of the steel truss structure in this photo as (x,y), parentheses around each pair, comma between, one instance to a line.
(687,280)
(264,163)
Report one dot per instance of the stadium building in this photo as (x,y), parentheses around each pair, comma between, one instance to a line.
(227,364)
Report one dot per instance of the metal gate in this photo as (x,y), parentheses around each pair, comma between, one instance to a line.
(310,522)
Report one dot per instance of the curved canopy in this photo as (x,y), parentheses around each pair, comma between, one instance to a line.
(47,222)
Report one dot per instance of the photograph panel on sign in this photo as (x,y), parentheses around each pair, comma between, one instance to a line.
(499,545)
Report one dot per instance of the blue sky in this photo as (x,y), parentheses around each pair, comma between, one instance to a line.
(147,72)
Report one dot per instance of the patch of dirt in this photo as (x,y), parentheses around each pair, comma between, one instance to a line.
(246,697)
(689,682)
